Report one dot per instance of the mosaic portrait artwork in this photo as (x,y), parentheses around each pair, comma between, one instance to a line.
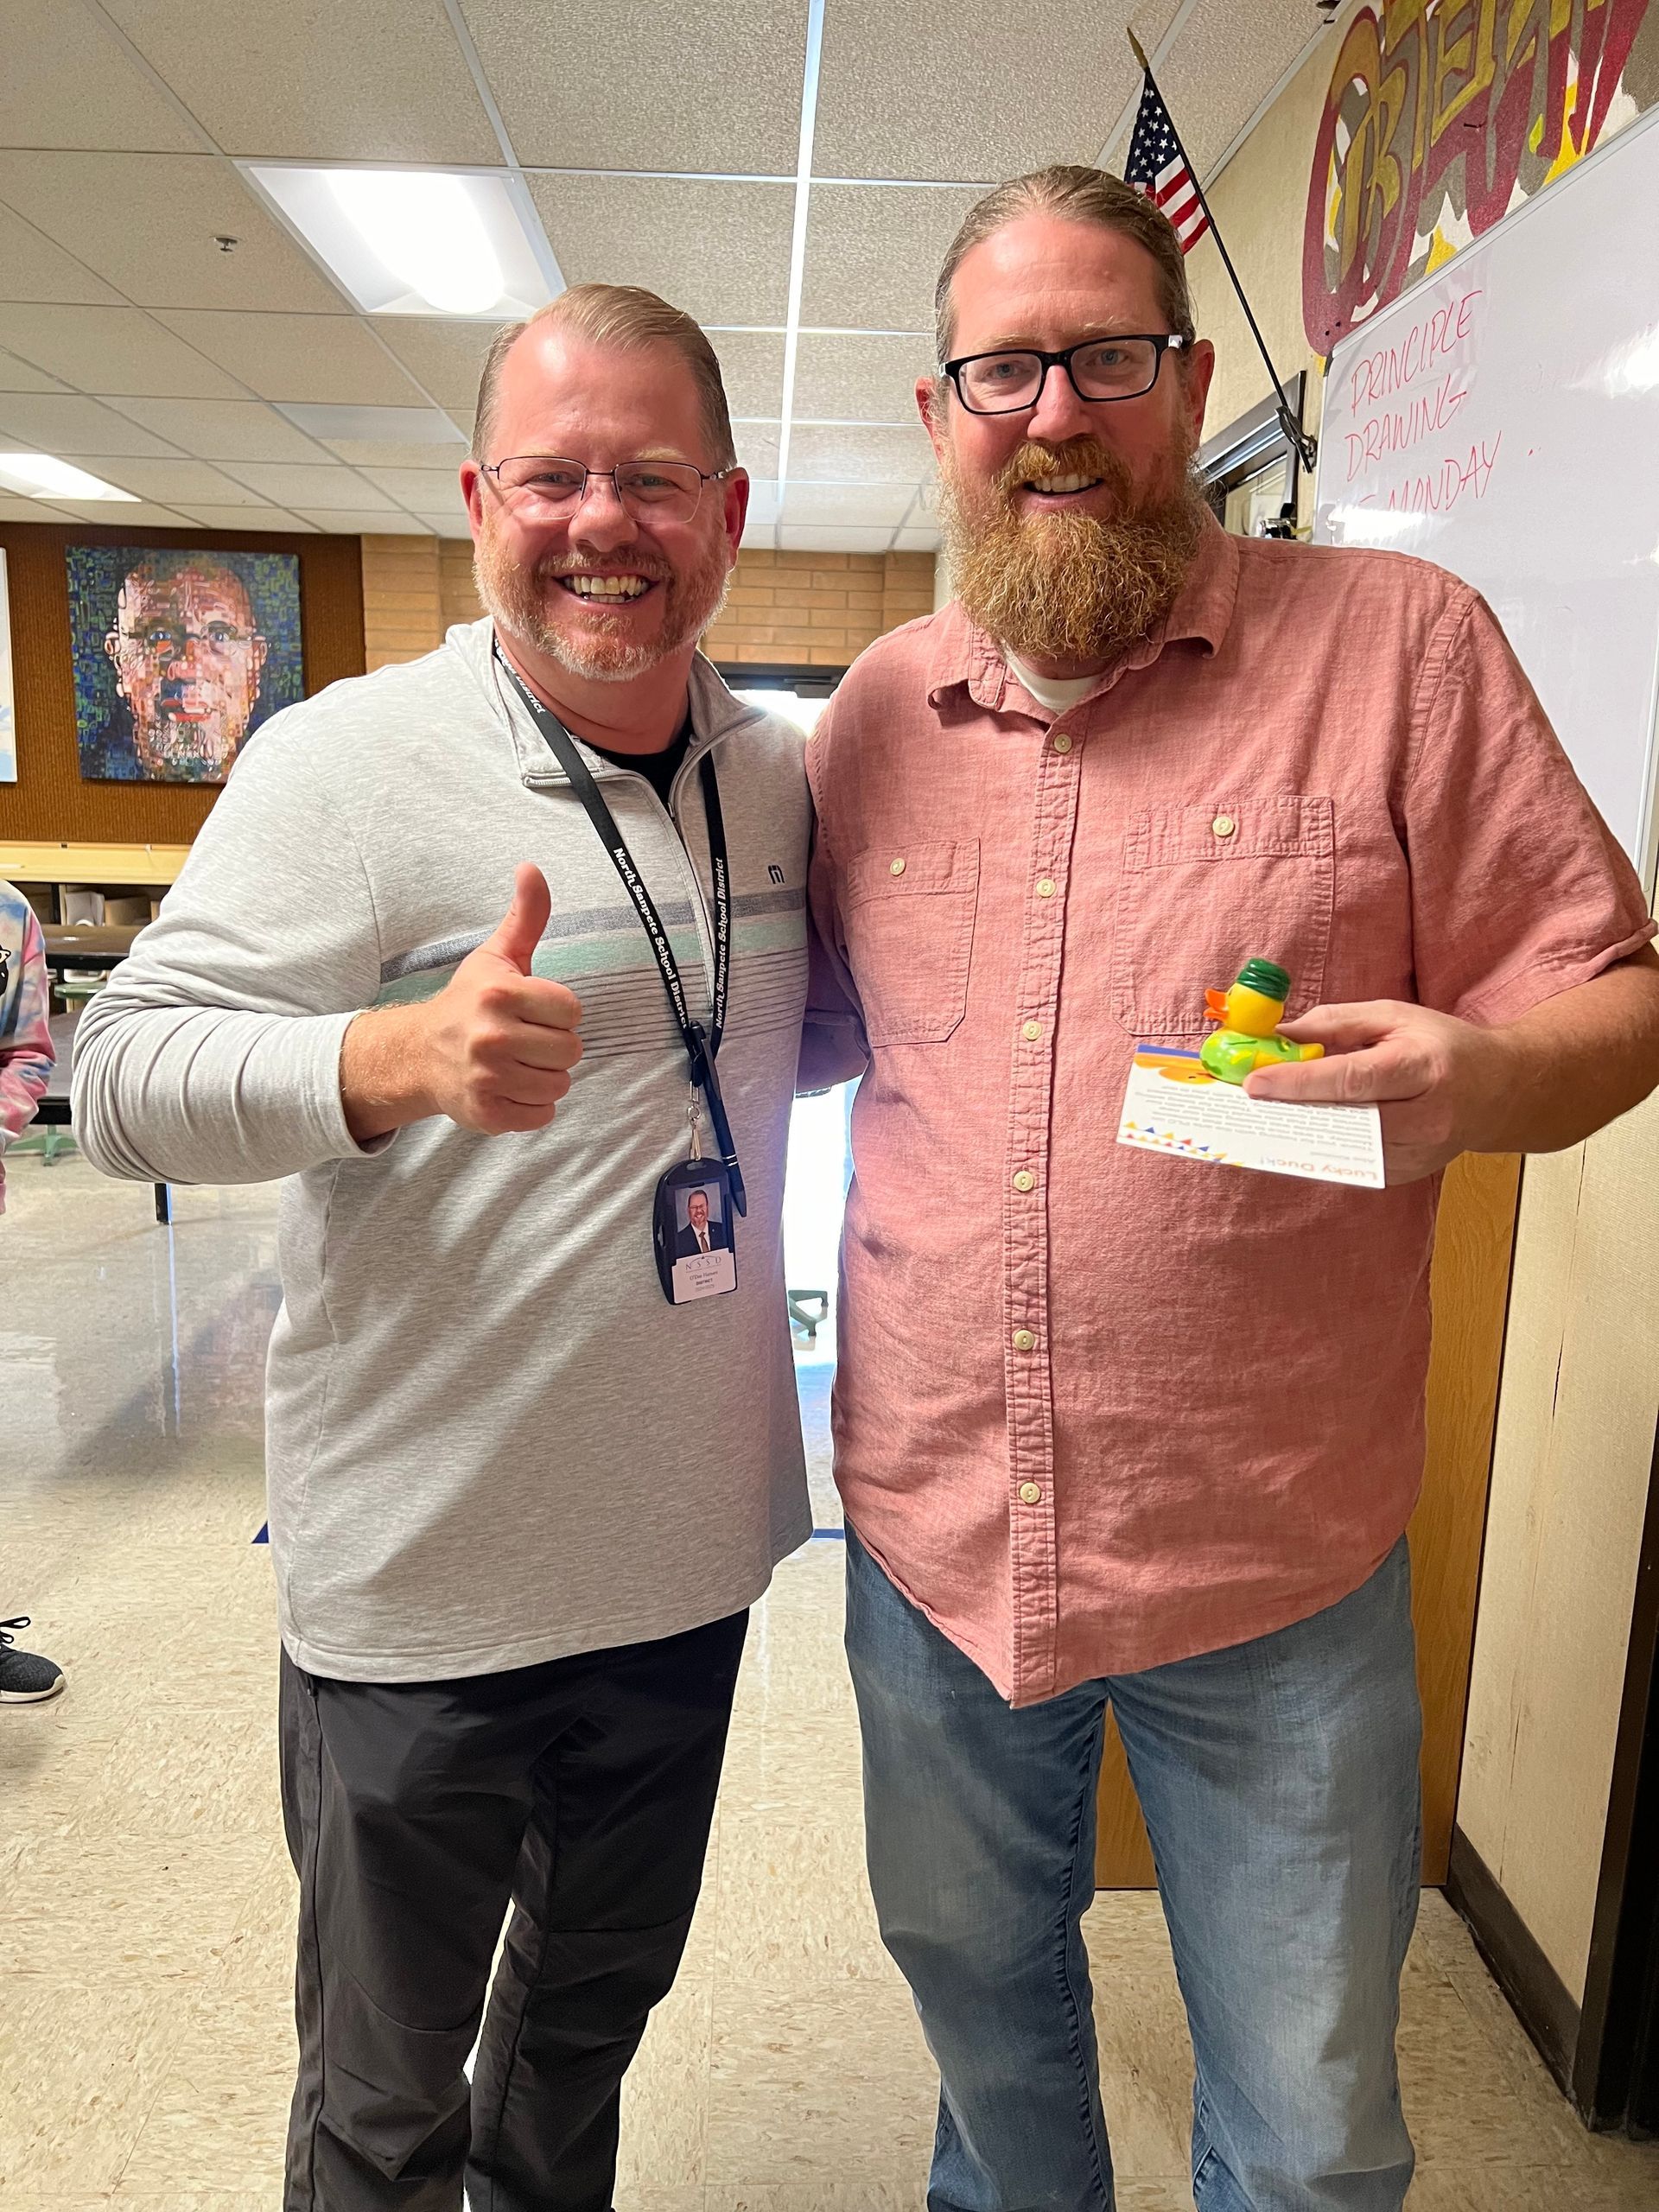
(179,656)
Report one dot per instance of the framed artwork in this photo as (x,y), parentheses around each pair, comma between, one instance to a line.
(7,701)
(180,654)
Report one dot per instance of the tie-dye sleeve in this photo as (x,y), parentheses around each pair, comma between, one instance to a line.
(26,1054)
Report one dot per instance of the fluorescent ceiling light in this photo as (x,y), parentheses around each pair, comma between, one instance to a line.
(413,241)
(42,476)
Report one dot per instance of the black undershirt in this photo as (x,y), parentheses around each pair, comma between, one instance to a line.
(659,769)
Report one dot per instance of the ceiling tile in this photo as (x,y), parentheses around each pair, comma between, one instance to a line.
(297,356)
(109,350)
(222,429)
(873,254)
(445,525)
(123,514)
(179,483)
(719,251)
(33,267)
(868,453)
(917,540)
(1214,80)
(698,85)
(254,517)
(860,379)
(379,80)
(833,537)
(757,447)
(148,223)
(423,491)
(386,453)
(21,376)
(366,522)
(66,82)
(884,505)
(411,425)
(757,532)
(18,510)
(63,422)
(1002,90)
(445,356)
(752,370)
(307,489)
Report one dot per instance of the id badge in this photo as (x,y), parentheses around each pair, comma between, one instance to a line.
(695,1232)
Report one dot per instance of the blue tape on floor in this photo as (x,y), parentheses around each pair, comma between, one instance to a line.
(263,1536)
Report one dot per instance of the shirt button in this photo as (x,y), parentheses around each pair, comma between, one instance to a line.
(1046,886)
(1024,1341)
(1031,1493)
(1224,825)
(1031,1032)
(1025,1180)
(898,867)
(1060,741)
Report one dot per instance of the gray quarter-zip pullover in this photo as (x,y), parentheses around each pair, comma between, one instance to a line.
(489,1440)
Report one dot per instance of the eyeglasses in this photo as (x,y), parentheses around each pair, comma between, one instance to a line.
(1098,368)
(220,640)
(545,487)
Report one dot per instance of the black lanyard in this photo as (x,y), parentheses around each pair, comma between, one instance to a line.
(701,1045)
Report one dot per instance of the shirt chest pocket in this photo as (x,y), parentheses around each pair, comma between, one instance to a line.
(1208,886)
(909,922)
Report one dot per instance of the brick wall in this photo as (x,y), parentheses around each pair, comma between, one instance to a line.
(456,594)
(818,610)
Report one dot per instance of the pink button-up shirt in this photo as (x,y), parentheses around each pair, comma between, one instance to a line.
(1098,1408)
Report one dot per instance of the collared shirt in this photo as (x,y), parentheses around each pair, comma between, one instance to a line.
(1097,1409)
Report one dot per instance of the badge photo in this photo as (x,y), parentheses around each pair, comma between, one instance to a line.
(694,1231)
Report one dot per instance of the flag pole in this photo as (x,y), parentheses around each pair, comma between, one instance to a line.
(1307,449)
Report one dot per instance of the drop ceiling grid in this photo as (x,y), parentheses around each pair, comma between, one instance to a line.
(658,147)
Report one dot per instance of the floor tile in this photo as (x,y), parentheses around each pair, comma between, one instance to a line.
(794,1903)
(665,2096)
(823,2081)
(82,2063)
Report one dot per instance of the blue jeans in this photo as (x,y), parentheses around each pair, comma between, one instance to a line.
(1279,1780)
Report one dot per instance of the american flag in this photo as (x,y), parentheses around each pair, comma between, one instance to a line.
(1158,167)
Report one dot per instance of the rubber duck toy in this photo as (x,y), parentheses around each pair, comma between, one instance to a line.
(1250,1014)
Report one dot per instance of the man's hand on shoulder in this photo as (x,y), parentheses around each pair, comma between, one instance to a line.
(492,1050)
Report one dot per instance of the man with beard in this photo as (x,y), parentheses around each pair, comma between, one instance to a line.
(187,656)
(512,1599)
(1113,1430)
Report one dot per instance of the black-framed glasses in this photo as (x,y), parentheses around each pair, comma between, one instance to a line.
(1099,369)
(549,488)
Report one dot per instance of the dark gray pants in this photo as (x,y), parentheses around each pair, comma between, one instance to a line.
(580,1792)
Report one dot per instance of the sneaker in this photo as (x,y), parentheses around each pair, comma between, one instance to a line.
(25,1678)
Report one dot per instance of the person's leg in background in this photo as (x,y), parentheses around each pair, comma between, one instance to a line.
(415,1814)
(605,1890)
(25,1677)
(1279,1783)
(981,1831)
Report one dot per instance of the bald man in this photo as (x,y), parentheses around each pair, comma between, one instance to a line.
(187,656)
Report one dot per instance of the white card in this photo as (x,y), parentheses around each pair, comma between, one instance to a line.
(1174,1104)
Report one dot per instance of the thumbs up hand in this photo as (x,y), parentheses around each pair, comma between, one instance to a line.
(492,1050)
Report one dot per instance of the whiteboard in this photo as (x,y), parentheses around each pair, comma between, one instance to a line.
(1502,418)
